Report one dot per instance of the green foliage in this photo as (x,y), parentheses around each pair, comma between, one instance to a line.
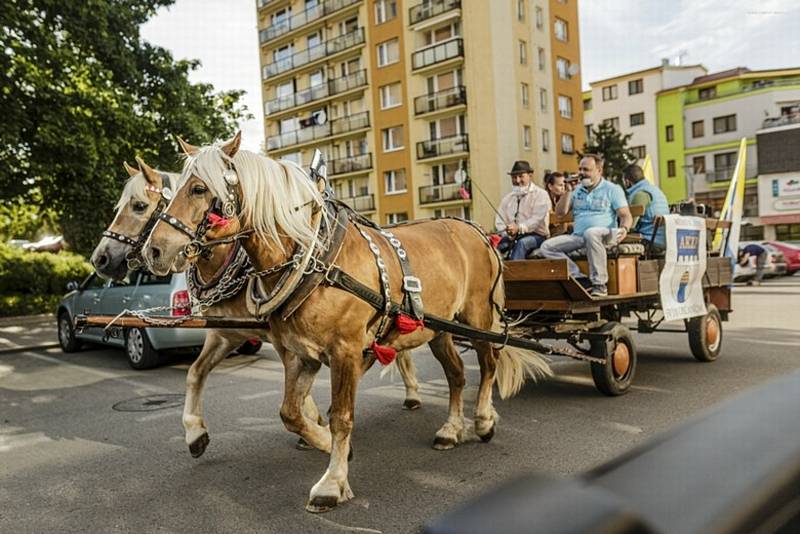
(18,304)
(613,146)
(80,93)
(27,218)
(39,273)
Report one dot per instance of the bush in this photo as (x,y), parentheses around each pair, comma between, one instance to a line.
(17,304)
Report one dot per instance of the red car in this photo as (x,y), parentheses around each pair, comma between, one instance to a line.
(791,255)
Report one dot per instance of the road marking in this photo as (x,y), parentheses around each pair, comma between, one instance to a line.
(629,429)
(346,527)
(583,381)
(759,342)
(160,415)
(9,442)
(258,395)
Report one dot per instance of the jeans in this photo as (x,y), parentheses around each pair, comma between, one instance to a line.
(761,262)
(595,241)
(520,248)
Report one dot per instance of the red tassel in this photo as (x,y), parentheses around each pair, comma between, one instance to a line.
(494,239)
(216,220)
(406,325)
(385,355)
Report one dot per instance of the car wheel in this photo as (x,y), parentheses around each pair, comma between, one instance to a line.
(251,346)
(141,354)
(66,334)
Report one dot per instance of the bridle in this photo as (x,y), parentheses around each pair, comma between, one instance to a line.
(134,256)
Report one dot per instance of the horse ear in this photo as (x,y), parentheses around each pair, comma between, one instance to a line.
(149,173)
(189,150)
(232,147)
(131,171)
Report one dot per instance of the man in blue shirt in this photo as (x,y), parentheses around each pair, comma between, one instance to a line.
(652,199)
(754,250)
(596,204)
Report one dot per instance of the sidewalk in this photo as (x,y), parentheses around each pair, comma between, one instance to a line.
(28,333)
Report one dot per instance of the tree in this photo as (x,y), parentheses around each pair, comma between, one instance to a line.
(80,93)
(613,147)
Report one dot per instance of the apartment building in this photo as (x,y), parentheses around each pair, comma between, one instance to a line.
(420,108)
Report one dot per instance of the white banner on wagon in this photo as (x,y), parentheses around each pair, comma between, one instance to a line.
(681,282)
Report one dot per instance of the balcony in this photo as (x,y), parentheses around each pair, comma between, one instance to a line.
(363,203)
(262,3)
(755,86)
(725,174)
(427,10)
(783,120)
(431,194)
(317,92)
(303,18)
(361,162)
(437,53)
(443,147)
(446,98)
(339,126)
(309,55)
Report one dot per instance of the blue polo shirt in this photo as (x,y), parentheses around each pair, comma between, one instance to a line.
(598,207)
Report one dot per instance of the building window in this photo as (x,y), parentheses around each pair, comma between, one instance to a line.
(526,137)
(560,27)
(523,53)
(565,106)
(542,58)
(671,168)
(699,165)
(725,124)
(707,93)
(539,18)
(521,10)
(609,92)
(639,152)
(525,95)
(725,161)
(462,212)
(543,100)
(637,119)
(587,104)
(545,140)
(635,87)
(395,181)
(392,138)
(567,143)
(588,132)
(670,133)
(390,95)
(698,129)
(613,122)
(394,218)
(388,52)
(563,68)
(385,10)
(787,232)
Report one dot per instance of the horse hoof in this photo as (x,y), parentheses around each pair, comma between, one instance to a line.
(443,444)
(302,445)
(412,404)
(322,504)
(198,446)
(486,438)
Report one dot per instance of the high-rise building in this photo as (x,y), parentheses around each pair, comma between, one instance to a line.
(421,108)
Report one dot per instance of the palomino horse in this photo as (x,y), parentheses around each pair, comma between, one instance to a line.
(460,275)
(135,209)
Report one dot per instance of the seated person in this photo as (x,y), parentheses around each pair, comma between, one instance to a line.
(596,203)
(643,193)
(524,214)
(555,184)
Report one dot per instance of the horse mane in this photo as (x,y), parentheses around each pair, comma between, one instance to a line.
(277,196)
(135,188)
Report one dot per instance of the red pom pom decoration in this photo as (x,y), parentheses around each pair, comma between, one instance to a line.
(385,355)
(406,325)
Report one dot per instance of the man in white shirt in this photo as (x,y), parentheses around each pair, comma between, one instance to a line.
(524,216)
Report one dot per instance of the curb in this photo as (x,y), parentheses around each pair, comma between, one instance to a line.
(17,320)
(27,348)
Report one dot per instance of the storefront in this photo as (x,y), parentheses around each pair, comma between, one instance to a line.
(779,205)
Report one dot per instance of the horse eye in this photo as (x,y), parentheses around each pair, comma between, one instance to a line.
(139,207)
(199,190)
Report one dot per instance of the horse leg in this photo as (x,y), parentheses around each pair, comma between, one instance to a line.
(310,411)
(299,376)
(333,488)
(405,364)
(452,431)
(215,349)
(485,415)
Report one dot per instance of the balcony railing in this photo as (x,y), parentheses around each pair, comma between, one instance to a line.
(317,92)
(724,174)
(304,17)
(784,120)
(360,203)
(304,57)
(262,3)
(443,146)
(430,9)
(755,86)
(446,98)
(361,162)
(313,133)
(438,53)
(429,194)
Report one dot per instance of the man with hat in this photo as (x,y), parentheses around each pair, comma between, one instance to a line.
(524,216)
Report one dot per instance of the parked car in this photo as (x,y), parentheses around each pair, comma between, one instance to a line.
(143,346)
(791,254)
(775,265)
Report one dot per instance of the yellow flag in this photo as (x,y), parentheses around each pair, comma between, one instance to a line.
(733,208)
(647,167)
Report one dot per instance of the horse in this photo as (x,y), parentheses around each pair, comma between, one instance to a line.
(272,206)
(136,208)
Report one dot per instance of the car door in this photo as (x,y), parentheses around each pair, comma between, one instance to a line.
(118,297)
(88,301)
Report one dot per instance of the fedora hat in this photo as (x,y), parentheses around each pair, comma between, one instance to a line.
(520,167)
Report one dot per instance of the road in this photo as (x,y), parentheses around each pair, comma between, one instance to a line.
(70,462)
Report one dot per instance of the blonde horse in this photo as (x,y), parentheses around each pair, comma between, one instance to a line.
(135,208)
(460,274)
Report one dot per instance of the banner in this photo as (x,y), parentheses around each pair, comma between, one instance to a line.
(681,281)
(647,168)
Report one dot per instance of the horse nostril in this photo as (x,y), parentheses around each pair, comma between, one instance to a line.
(155,252)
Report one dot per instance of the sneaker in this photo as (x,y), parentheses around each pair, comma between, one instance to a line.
(585,282)
(598,291)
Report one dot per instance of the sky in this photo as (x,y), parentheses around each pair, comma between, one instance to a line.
(617,36)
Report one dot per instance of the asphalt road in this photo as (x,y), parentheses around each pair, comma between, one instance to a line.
(69,462)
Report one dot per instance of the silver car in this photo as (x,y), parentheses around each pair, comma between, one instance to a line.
(139,291)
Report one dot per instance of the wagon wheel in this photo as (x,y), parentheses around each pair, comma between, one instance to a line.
(705,335)
(614,377)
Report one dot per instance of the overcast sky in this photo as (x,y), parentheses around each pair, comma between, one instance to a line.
(617,36)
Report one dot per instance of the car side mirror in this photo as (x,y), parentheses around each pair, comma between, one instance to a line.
(72,286)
